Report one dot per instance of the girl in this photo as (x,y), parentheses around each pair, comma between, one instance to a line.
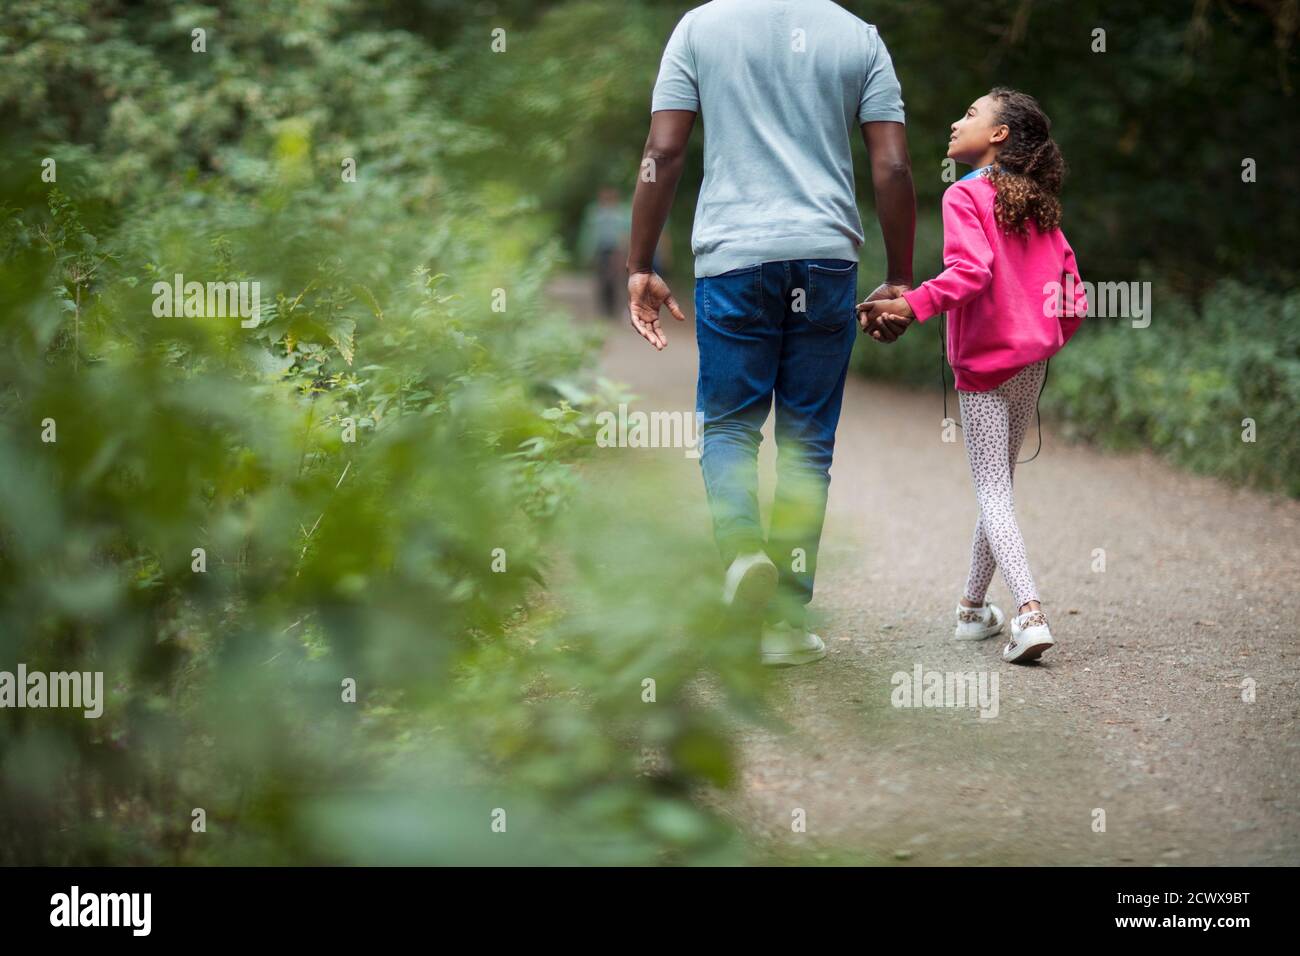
(1007,264)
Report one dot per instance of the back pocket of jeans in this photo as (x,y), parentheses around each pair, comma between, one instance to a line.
(734,299)
(831,294)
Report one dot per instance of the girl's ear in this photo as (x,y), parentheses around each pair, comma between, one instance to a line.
(1000,134)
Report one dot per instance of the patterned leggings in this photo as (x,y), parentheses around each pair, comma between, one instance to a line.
(994,425)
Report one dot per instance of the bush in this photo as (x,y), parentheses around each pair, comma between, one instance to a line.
(233,524)
(1185,385)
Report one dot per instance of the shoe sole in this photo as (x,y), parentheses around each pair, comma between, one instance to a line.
(793,658)
(1031,653)
(983,635)
(756,587)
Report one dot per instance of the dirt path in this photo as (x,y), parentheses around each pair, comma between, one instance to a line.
(1137,712)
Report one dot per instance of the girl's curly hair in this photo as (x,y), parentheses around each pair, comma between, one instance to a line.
(1029,167)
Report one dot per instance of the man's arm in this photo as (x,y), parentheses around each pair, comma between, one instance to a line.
(891,177)
(661,168)
(656,184)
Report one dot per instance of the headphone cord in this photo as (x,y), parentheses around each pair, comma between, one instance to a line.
(943,382)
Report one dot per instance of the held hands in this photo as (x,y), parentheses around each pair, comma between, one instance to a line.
(887,319)
(885,314)
(646,293)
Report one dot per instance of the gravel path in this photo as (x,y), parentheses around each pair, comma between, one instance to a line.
(1138,712)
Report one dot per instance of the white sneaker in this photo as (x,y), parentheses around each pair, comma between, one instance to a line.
(978,623)
(1029,638)
(786,646)
(750,581)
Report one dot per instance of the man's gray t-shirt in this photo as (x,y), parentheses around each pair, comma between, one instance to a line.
(780,86)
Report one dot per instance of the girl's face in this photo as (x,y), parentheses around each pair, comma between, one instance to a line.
(977,135)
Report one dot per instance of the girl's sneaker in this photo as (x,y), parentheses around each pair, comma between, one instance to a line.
(1029,638)
(977,623)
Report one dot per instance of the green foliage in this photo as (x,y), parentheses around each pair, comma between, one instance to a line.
(326,559)
(1184,386)
(567,108)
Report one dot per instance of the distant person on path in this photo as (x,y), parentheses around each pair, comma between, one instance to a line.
(602,244)
(1012,290)
(781,86)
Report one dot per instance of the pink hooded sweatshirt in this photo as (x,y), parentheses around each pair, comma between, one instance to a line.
(1005,294)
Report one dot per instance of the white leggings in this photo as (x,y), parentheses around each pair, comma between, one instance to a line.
(994,425)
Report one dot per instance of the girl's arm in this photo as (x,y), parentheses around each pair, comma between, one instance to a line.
(967,257)
(1073,311)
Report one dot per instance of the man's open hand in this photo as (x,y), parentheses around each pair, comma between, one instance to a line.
(646,293)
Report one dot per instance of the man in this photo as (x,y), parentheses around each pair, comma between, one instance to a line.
(780,84)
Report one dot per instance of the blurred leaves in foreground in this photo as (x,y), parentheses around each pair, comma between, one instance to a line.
(378,474)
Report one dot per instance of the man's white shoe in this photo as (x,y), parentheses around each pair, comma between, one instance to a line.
(1029,638)
(786,646)
(978,623)
(750,581)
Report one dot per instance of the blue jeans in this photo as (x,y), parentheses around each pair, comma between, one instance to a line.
(784,329)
